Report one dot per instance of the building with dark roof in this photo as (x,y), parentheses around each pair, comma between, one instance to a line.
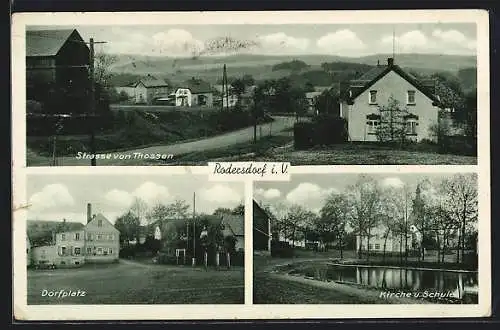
(261,229)
(57,66)
(373,91)
(149,88)
(194,92)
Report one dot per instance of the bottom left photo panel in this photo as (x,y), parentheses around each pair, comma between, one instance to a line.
(134,239)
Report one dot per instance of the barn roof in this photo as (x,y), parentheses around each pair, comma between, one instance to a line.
(151,81)
(234,223)
(49,42)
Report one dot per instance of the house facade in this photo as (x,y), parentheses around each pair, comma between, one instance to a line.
(194,92)
(57,64)
(375,90)
(378,240)
(102,240)
(149,88)
(96,242)
(183,97)
(261,229)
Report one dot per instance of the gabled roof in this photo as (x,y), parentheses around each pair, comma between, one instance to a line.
(367,80)
(234,223)
(98,217)
(49,42)
(256,206)
(197,86)
(151,82)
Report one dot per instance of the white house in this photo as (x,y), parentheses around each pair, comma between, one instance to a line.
(183,97)
(374,89)
(393,243)
(194,92)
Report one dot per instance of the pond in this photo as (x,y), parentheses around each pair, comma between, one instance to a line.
(459,283)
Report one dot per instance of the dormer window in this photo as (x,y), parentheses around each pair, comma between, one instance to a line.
(99,223)
(373,97)
(410,97)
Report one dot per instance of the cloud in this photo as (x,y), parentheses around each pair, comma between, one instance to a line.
(269,193)
(220,193)
(340,42)
(309,195)
(177,42)
(439,41)
(51,196)
(279,42)
(393,182)
(454,37)
(152,193)
(149,192)
(119,198)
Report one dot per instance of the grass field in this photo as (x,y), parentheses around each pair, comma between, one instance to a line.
(129,282)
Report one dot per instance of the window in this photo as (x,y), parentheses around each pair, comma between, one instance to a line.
(77,236)
(370,246)
(77,251)
(99,223)
(63,251)
(99,237)
(110,251)
(377,246)
(372,125)
(202,100)
(105,251)
(411,126)
(89,250)
(99,250)
(89,237)
(410,99)
(373,97)
(63,237)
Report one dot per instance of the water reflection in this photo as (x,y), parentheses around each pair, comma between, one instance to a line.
(395,278)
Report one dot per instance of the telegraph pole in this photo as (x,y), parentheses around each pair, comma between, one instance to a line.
(194,229)
(92,99)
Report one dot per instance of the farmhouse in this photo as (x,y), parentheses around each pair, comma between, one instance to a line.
(375,89)
(74,244)
(261,229)
(233,225)
(149,88)
(57,61)
(194,92)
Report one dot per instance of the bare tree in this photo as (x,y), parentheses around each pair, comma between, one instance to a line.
(461,203)
(140,209)
(364,209)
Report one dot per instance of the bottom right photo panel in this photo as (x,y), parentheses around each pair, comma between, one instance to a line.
(377,238)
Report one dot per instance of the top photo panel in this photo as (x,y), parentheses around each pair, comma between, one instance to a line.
(309,94)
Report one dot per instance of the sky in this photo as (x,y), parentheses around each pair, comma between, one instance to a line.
(58,197)
(351,40)
(310,190)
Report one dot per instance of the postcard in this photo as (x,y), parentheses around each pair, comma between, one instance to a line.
(251,165)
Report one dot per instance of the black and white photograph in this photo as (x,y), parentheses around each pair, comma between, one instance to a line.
(308,94)
(136,239)
(367,239)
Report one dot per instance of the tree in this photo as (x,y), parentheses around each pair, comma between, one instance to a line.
(128,225)
(364,209)
(239,210)
(220,211)
(392,125)
(179,209)
(461,204)
(139,208)
(328,103)
(332,221)
(238,88)
(248,80)
(102,65)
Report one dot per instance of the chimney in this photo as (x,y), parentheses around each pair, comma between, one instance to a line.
(89,212)
(390,61)
(378,62)
(53,238)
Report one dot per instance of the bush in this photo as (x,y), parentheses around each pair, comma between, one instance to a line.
(459,145)
(281,249)
(324,130)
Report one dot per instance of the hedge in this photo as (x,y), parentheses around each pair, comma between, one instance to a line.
(322,131)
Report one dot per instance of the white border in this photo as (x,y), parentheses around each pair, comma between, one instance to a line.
(247,310)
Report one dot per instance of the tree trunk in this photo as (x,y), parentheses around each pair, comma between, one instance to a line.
(438,247)
(385,245)
(464,218)
(368,245)
(458,246)
(341,248)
